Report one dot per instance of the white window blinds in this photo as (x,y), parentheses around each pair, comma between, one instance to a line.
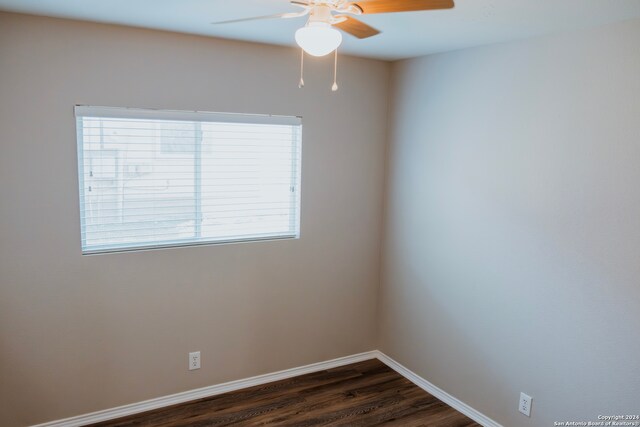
(152,179)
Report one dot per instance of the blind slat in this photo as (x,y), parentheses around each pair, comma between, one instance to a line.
(163,235)
(207,215)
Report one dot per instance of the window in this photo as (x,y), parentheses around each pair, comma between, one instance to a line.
(151,179)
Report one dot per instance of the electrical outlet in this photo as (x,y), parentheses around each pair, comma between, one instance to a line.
(194,360)
(525,404)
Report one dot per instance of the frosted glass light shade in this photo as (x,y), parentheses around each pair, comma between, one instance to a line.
(318,40)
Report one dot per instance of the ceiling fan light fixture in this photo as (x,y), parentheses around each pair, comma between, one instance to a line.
(318,38)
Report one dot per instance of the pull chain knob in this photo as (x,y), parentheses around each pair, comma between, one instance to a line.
(301,83)
(334,88)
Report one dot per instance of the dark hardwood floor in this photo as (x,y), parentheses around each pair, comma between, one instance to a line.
(362,394)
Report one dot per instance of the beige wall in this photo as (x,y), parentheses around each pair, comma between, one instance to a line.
(80,334)
(512,245)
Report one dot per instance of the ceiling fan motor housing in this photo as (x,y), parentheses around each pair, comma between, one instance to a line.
(320,13)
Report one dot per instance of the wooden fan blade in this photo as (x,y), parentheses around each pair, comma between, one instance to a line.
(258,18)
(356,28)
(255,18)
(387,6)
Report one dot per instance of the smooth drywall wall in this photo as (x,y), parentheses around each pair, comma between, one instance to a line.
(512,243)
(84,333)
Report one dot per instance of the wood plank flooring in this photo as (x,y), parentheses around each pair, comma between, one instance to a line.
(362,394)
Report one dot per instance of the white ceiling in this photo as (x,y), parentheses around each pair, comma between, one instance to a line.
(471,23)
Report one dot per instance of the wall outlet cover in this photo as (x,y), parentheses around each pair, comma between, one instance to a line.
(194,360)
(525,404)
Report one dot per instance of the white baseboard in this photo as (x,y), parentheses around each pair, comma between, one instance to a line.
(456,404)
(160,402)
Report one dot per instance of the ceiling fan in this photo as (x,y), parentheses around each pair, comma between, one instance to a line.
(319,36)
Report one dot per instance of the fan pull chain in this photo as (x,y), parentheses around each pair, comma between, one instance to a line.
(334,88)
(301,84)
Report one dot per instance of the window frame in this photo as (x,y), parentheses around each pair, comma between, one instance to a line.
(82,111)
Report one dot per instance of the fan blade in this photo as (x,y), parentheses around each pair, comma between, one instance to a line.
(387,6)
(356,28)
(258,18)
